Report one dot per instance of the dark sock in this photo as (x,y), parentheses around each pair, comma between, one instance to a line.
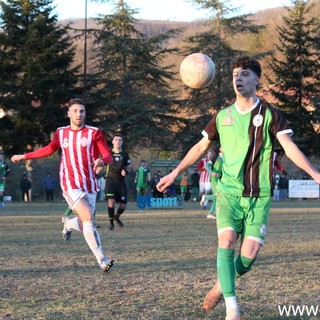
(111,215)
(120,211)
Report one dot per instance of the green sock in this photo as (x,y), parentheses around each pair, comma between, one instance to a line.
(68,212)
(243,265)
(209,196)
(213,205)
(226,271)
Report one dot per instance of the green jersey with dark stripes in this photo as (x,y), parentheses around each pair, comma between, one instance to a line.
(247,141)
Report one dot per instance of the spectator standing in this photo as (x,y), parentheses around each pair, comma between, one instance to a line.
(49,184)
(171,191)
(153,186)
(283,186)
(183,184)
(276,190)
(195,177)
(102,185)
(25,186)
(159,194)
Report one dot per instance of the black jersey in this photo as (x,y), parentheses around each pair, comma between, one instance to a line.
(120,161)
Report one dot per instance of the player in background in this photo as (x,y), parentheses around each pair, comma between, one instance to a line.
(215,174)
(81,146)
(195,177)
(204,182)
(116,189)
(277,164)
(276,177)
(4,171)
(246,130)
(142,178)
(183,181)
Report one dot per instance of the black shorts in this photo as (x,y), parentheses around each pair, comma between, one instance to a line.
(117,190)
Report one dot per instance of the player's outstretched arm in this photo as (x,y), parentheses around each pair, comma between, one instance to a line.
(191,157)
(17,158)
(297,157)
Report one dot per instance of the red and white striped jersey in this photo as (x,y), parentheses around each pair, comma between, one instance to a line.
(79,150)
(204,174)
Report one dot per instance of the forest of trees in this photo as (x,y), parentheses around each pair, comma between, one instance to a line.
(132,85)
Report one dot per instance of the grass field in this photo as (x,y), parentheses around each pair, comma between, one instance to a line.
(165,264)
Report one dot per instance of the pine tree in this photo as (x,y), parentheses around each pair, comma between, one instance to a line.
(130,90)
(222,25)
(36,78)
(297,74)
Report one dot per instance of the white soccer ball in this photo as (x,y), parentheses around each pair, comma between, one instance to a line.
(197,70)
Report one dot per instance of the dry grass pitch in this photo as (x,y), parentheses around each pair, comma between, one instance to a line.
(164,265)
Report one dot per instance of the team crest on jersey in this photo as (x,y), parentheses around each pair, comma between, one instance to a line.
(117,158)
(84,142)
(228,121)
(257,120)
(229,111)
(65,143)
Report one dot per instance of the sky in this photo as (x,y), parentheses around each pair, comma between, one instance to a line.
(172,10)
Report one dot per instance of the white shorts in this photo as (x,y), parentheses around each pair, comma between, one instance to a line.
(74,196)
(204,187)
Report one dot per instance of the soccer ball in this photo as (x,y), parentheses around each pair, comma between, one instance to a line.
(197,70)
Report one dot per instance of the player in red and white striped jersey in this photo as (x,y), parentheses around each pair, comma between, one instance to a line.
(204,182)
(81,147)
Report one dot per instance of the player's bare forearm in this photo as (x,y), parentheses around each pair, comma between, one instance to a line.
(191,157)
(194,154)
(17,158)
(298,158)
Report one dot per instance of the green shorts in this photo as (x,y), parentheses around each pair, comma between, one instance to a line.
(247,216)
(183,188)
(142,186)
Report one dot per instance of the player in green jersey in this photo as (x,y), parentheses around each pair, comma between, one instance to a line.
(246,130)
(4,171)
(142,178)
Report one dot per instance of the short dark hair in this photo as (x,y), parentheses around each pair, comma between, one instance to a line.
(76,101)
(245,62)
(117,135)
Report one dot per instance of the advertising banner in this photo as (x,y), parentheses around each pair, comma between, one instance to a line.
(303,189)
